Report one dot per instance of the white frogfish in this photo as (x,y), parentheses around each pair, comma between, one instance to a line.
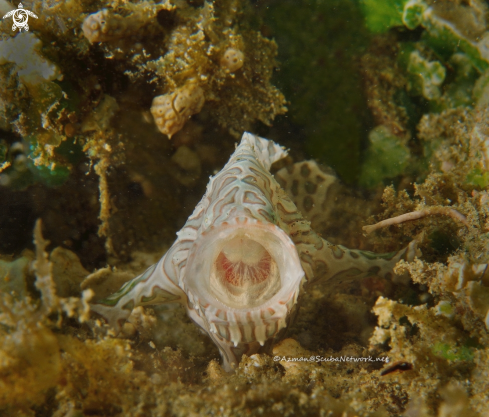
(242,259)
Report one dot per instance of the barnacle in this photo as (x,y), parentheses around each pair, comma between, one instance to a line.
(108,25)
(172,110)
(232,60)
(103,26)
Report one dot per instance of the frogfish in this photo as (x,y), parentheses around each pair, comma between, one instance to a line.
(244,256)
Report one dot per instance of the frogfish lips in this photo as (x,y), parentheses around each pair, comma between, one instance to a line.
(242,280)
(244,265)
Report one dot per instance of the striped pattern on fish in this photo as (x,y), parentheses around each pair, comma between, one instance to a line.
(239,263)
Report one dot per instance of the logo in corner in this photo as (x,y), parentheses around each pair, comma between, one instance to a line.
(20,17)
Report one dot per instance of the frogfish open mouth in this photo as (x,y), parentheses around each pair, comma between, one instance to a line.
(241,260)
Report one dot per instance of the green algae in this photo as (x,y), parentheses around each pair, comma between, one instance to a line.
(425,76)
(386,158)
(380,16)
(321,81)
(444,31)
(478,178)
(443,63)
(453,353)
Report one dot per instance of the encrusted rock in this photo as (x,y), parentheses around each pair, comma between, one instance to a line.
(106,25)
(232,60)
(103,26)
(293,357)
(13,275)
(99,119)
(68,272)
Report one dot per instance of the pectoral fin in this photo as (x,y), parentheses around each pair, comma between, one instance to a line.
(332,262)
(152,287)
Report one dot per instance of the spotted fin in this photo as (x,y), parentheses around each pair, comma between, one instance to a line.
(336,262)
(152,287)
(322,260)
(312,189)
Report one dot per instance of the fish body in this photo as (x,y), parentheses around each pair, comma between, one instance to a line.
(239,263)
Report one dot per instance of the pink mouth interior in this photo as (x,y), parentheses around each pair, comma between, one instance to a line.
(240,273)
(244,273)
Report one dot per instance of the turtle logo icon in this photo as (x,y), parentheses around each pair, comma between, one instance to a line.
(20,16)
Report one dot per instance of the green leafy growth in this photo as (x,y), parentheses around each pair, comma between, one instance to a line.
(440,37)
(381,15)
(453,353)
(459,84)
(429,79)
(386,158)
(478,178)
(425,77)
(445,308)
(412,16)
